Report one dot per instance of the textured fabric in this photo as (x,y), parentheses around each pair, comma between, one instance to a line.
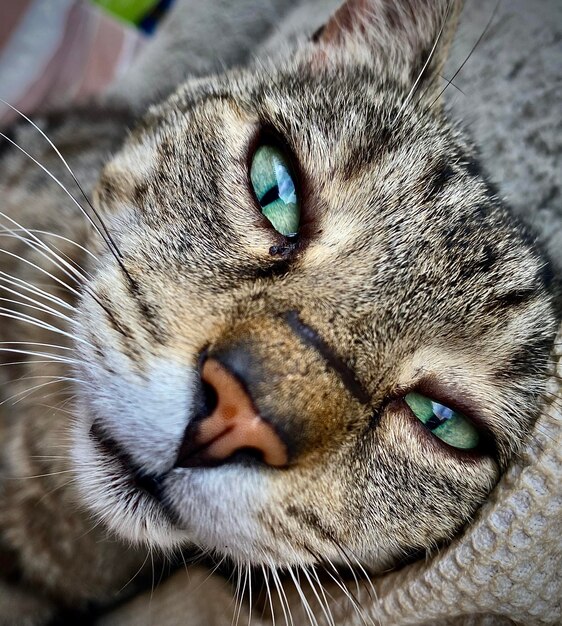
(57,51)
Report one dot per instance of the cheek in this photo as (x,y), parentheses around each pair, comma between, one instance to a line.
(423,492)
(316,507)
(401,436)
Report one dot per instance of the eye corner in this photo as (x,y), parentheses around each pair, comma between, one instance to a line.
(285,249)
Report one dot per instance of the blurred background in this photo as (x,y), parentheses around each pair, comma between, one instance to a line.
(56,51)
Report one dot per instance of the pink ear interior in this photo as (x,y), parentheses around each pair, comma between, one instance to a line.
(351,16)
(408,38)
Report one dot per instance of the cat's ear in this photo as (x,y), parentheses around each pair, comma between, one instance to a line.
(410,39)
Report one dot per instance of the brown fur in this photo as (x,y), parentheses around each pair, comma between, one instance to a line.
(407,273)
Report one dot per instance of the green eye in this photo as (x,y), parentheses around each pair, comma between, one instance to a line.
(451,427)
(274,187)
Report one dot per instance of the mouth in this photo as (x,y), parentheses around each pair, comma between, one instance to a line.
(155,495)
(142,479)
(138,480)
(133,504)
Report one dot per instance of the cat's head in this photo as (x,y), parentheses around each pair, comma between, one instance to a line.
(321,335)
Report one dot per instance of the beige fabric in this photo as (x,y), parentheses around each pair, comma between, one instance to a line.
(505,568)
(189,598)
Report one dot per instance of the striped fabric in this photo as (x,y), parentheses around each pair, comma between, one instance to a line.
(53,52)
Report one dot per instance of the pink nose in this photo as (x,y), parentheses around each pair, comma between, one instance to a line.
(234,424)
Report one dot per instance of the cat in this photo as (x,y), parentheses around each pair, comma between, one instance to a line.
(296,326)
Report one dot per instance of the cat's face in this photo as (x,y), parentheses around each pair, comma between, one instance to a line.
(405,277)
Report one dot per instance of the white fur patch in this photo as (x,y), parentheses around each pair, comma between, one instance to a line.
(146,414)
(219,506)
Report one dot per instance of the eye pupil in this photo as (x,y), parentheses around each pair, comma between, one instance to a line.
(274,187)
(269,196)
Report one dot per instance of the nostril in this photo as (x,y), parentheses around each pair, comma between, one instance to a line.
(246,456)
(210,398)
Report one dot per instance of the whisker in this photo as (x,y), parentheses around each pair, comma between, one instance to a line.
(51,377)
(67,240)
(62,186)
(352,601)
(27,393)
(65,285)
(51,491)
(54,251)
(34,289)
(349,565)
(134,575)
(109,241)
(33,362)
(27,319)
(151,552)
(323,605)
(38,306)
(450,83)
(341,585)
(249,596)
(237,591)
(213,570)
(265,573)
(486,29)
(42,270)
(107,238)
(287,614)
(425,65)
(43,249)
(241,598)
(40,475)
(34,343)
(105,235)
(87,276)
(302,597)
(371,591)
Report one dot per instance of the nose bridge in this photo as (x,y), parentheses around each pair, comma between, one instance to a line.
(272,393)
(267,355)
(283,344)
(296,383)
